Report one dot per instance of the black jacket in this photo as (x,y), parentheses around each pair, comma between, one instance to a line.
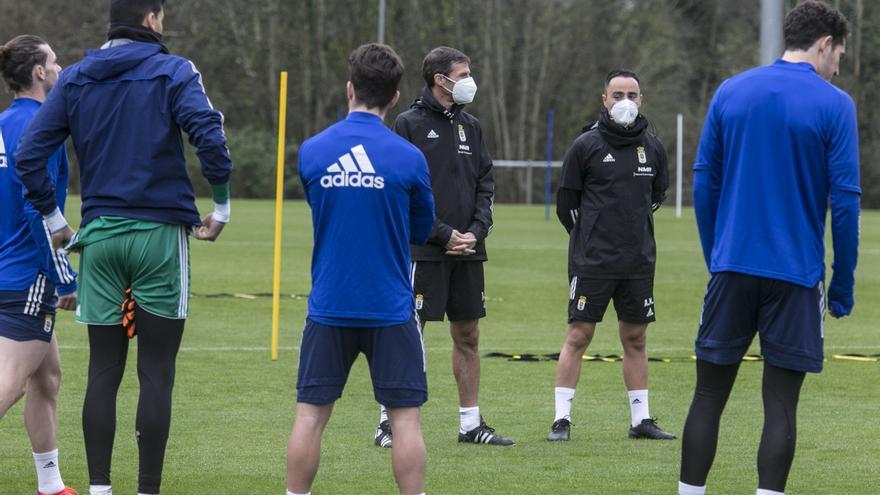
(612,181)
(461,174)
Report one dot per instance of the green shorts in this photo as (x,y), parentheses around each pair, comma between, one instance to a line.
(152,260)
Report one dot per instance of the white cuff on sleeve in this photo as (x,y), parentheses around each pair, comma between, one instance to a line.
(55,221)
(221,212)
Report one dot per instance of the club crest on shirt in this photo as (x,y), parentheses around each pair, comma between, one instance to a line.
(461,135)
(643,158)
(420,301)
(582,303)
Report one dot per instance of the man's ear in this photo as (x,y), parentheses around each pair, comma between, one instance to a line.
(39,73)
(349,91)
(394,100)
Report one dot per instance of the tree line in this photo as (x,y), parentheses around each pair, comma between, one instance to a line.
(528,57)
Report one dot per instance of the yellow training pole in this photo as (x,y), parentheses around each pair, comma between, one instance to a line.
(279,202)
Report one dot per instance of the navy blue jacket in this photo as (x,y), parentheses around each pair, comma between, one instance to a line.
(124,108)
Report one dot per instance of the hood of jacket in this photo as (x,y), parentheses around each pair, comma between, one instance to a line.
(101,65)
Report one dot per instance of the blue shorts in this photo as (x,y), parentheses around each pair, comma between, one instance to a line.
(789,319)
(396,356)
(29,314)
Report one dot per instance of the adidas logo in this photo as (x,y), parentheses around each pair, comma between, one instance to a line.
(49,464)
(608,159)
(637,401)
(433,135)
(357,172)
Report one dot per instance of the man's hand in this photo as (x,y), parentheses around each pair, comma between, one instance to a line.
(839,306)
(68,302)
(461,244)
(210,229)
(62,237)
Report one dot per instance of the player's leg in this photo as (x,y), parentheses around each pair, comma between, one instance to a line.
(41,421)
(780,391)
(158,342)
(587,302)
(408,457)
(727,326)
(18,361)
(325,359)
(108,351)
(102,283)
(634,303)
(791,330)
(159,263)
(700,436)
(465,306)
(396,356)
(304,445)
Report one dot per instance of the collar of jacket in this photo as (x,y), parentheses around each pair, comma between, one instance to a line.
(135,33)
(618,136)
(428,101)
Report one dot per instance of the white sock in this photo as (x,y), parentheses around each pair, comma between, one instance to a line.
(383,413)
(100,490)
(685,489)
(291,493)
(564,398)
(762,491)
(638,406)
(48,474)
(470,418)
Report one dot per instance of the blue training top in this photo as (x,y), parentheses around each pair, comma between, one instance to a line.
(370,194)
(25,242)
(777,142)
(125,107)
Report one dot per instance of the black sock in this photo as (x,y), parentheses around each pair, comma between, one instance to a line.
(700,437)
(158,343)
(780,391)
(108,348)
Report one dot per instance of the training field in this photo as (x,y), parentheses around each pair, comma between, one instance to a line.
(233,407)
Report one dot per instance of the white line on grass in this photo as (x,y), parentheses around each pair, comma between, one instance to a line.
(660,350)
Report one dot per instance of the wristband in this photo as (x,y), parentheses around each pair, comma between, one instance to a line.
(55,221)
(221,212)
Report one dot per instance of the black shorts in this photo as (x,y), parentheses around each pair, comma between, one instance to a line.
(29,314)
(789,319)
(633,299)
(454,288)
(395,354)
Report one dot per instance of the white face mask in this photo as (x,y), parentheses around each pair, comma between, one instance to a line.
(463,90)
(624,112)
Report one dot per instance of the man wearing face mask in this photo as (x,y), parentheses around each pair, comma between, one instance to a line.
(614,177)
(125,105)
(447,272)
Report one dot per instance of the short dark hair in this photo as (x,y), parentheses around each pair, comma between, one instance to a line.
(812,20)
(133,11)
(621,73)
(18,58)
(376,71)
(439,61)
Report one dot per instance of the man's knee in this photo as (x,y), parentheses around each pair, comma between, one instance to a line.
(47,381)
(579,334)
(634,338)
(465,333)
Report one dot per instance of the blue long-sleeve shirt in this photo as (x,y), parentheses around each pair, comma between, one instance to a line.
(777,143)
(370,195)
(25,243)
(125,107)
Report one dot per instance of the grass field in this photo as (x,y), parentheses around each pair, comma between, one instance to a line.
(233,407)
